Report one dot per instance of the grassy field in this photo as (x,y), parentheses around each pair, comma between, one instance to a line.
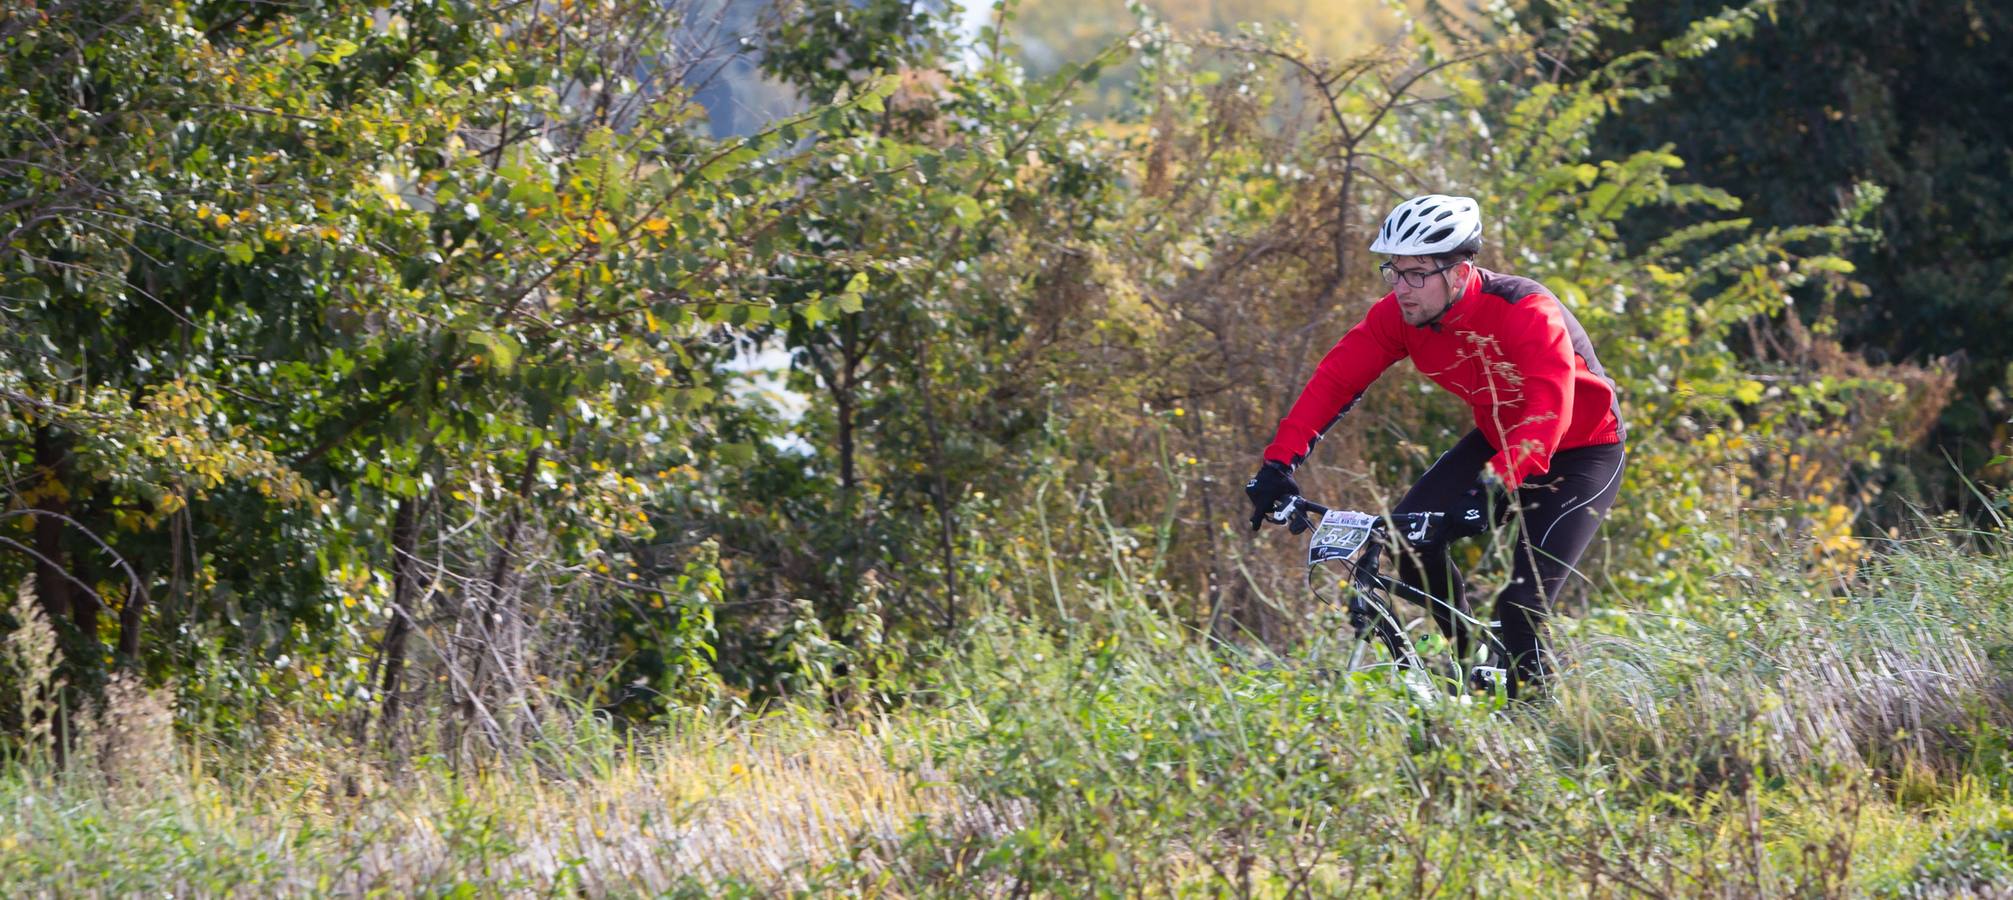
(1785,741)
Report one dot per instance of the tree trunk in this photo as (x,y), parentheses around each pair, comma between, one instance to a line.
(60,598)
(842,385)
(845,389)
(853,539)
(842,401)
(52,580)
(939,489)
(129,625)
(405,584)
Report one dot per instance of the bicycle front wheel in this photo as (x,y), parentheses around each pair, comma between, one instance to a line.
(1382,639)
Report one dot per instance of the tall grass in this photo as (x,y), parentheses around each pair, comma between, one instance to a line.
(755,804)
(1786,741)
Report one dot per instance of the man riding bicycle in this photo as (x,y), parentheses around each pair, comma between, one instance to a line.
(1547,442)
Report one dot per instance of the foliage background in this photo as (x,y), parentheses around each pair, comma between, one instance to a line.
(448,385)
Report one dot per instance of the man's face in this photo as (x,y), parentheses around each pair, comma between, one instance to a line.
(1437,291)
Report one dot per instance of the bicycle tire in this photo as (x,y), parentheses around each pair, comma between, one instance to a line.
(1384,628)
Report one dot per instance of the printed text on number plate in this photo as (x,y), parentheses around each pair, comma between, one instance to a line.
(1340,534)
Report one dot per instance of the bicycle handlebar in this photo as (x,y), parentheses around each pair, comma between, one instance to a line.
(1369,609)
(1417,527)
(1297,504)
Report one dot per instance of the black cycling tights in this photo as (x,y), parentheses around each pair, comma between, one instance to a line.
(1559,513)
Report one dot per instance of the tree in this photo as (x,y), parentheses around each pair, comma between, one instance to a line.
(942,198)
(1908,96)
(293,290)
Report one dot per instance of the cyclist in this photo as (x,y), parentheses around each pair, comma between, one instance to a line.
(1548,429)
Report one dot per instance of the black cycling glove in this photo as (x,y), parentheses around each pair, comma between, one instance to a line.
(1269,490)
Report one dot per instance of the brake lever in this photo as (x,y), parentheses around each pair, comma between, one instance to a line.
(1291,514)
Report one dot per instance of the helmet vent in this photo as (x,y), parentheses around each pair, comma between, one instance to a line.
(1430,225)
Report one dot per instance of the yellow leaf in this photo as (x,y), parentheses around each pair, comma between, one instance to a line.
(657,226)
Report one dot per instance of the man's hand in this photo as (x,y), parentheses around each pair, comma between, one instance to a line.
(1269,490)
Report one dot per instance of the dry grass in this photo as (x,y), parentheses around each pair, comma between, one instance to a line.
(759,804)
(1894,678)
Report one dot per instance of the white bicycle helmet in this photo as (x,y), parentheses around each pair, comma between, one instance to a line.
(1432,225)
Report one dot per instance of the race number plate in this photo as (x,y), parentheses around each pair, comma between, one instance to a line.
(1340,534)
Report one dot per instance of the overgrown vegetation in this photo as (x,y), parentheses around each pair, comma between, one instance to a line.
(394,506)
(1787,743)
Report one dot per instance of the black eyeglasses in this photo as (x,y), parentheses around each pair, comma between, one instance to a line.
(1414,278)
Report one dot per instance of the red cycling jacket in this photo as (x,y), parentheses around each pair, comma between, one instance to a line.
(1507,347)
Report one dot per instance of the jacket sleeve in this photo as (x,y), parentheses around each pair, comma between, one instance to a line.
(1532,390)
(1339,381)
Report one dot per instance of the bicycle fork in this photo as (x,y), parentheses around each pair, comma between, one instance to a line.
(1366,617)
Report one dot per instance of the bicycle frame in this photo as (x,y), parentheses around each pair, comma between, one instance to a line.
(1359,540)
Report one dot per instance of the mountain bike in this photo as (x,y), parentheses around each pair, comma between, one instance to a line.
(1357,543)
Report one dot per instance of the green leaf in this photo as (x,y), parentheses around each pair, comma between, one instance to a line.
(736,454)
(1602,201)
(727,162)
(239,252)
(874,97)
(965,209)
(1570,294)
(1748,392)
(854,298)
(336,51)
(813,313)
(501,350)
(1469,89)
